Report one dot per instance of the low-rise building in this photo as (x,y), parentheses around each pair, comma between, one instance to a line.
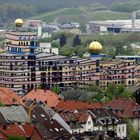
(126,108)
(47,48)
(106,120)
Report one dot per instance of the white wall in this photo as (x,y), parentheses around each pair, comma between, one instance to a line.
(89,124)
(121,130)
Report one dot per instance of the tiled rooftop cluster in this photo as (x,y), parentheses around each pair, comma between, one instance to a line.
(45,115)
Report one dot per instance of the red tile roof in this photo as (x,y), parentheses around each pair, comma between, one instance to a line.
(8,97)
(2,137)
(43,95)
(28,128)
(71,105)
(15,130)
(82,117)
(124,107)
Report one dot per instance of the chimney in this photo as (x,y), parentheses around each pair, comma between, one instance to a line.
(45,101)
(35,88)
(133,19)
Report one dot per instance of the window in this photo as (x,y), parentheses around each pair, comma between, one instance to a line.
(89,122)
(119,130)
(123,129)
(129,82)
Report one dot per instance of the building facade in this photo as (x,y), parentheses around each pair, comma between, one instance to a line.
(23,67)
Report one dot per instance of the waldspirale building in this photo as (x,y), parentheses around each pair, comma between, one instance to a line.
(22,68)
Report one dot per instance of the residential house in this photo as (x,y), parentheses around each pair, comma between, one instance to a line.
(106,120)
(49,123)
(127,109)
(47,96)
(79,122)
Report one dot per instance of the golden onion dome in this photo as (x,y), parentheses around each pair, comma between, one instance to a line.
(19,22)
(95,47)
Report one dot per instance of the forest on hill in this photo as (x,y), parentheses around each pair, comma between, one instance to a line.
(28,8)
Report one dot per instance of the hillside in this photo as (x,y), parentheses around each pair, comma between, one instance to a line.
(81,15)
(77,10)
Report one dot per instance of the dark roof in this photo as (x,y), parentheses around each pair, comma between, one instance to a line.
(51,129)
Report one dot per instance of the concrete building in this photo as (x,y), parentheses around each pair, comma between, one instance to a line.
(47,48)
(114,26)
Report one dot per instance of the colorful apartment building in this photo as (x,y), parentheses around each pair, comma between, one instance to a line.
(119,72)
(22,68)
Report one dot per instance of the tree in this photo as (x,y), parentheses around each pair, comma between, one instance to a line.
(76,41)
(93,88)
(115,90)
(17,138)
(83,28)
(56,90)
(63,40)
(76,94)
(131,132)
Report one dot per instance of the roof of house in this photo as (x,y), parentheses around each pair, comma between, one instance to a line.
(9,97)
(2,136)
(13,114)
(80,117)
(50,129)
(28,128)
(42,95)
(71,105)
(124,107)
(15,130)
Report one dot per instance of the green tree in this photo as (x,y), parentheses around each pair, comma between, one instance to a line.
(83,28)
(131,132)
(115,90)
(93,88)
(56,89)
(17,138)
(1,104)
(76,41)
(63,40)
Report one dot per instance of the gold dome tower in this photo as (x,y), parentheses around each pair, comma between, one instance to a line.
(18,22)
(95,47)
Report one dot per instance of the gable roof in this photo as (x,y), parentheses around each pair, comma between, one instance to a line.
(71,105)
(42,95)
(51,129)
(15,130)
(9,97)
(13,114)
(124,107)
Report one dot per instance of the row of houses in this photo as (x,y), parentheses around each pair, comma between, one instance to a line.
(47,116)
